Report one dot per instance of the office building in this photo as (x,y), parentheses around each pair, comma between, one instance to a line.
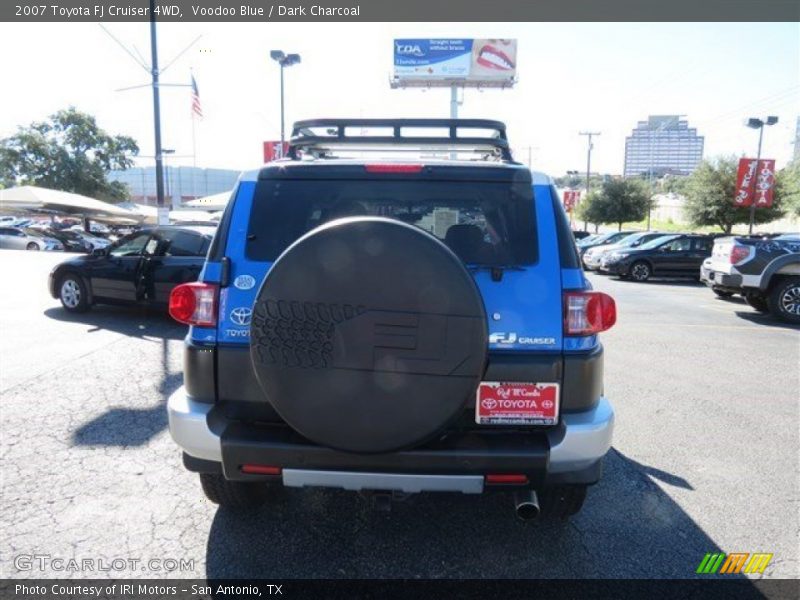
(661,145)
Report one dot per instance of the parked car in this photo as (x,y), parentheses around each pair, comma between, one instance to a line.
(605,238)
(674,255)
(94,241)
(27,239)
(766,272)
(441,338)
(72,241)
(580,235)
(592,257)
(142,268)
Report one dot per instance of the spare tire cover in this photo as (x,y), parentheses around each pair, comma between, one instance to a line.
(368,335)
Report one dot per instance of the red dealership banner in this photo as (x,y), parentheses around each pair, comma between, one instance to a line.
(755,180)
(272,150)
(571,199)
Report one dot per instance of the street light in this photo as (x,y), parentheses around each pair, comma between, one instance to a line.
(755,123)
(284,60)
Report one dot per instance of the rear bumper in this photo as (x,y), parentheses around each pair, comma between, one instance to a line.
(569,453)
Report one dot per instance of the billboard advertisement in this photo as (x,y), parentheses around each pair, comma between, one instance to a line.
(490,62)
(755,180)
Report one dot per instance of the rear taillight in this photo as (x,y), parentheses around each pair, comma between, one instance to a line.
(739,253)
(194,304)
(587,313)
(392,168)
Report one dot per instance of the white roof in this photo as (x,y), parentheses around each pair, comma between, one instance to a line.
(34,198)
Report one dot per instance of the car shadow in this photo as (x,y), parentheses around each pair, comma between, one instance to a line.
(132,426)
(765,319)
(674,281)
(629,527)
(132,321)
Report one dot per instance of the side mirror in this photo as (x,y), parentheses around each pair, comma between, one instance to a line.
(99,252)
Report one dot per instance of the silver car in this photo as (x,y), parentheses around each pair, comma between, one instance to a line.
(17,239)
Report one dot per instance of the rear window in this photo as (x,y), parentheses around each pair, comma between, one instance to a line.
(483,223)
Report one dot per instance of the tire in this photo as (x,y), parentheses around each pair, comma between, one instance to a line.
(758,303)
(235,495)
(562,502)
(640,271)
(383,351)
(784,300)
(32,246)
(723,294)
(73,293)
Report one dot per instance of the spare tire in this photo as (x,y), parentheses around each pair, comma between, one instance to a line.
(368,335)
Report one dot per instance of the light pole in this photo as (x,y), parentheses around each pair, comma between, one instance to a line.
(759,124)
(162,219)
(284,60)
(589,134)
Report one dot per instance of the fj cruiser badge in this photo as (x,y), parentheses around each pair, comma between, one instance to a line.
(507,339)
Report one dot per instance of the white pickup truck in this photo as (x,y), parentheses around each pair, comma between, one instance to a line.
(766,272)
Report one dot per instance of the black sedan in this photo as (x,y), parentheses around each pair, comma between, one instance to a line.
(676,255)
(141,268)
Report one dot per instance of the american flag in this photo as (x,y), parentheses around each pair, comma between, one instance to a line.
(197,108)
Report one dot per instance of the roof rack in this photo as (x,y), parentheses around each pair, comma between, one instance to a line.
(318,137)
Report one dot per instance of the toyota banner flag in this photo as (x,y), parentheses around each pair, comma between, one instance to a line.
(272,151)
(571,199)
(755,180)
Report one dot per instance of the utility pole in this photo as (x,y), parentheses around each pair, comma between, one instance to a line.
(163,219)
(589,135)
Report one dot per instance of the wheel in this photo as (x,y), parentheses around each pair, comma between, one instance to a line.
(722,294)
(640,271)
(563,501)
(236,495)
(757,302)
(73,293)
(32,246)
(784,300)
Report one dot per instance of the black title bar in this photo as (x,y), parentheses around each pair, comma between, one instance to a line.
(255,11)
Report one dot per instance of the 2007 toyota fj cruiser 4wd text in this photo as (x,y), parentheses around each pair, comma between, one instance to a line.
(394,325)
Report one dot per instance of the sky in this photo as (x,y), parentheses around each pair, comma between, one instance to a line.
(572,77)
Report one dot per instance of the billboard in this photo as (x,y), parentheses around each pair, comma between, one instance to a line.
(444,62)
(752,181)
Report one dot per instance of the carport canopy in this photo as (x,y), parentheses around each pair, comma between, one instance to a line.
(37,199)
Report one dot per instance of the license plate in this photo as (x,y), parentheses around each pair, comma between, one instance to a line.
(515,403)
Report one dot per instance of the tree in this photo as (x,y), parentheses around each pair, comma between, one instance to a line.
(68,152)
(787,187)
(709,196)
(618,201)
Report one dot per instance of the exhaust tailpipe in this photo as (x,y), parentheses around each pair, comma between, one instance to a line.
(526,505)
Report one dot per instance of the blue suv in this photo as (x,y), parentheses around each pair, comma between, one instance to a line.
(394,326)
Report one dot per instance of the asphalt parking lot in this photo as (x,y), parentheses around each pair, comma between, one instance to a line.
(705,457)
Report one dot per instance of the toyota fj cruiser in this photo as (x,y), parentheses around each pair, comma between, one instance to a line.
(394,326)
